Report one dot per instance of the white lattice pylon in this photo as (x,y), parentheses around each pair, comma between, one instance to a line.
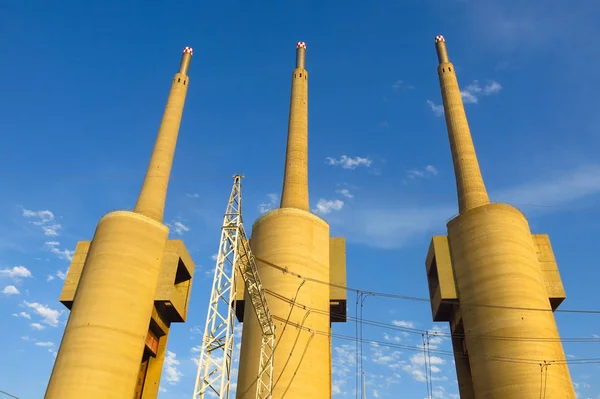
(264,383)
(214,367)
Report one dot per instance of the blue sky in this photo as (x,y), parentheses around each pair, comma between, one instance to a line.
(84,85)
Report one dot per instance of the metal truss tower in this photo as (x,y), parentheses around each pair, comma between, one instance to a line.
(214,367)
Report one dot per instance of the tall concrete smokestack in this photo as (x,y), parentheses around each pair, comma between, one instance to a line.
(295,181)
(302,311)
(151,201)
(469,183)
(493,281)
(126,287)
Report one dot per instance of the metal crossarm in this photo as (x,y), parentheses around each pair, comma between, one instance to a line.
(254,287)
(214,367)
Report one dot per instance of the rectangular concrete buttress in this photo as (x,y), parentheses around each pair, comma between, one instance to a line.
(549,267)
(337,276)
(442,287)
(337,295)
(174,286)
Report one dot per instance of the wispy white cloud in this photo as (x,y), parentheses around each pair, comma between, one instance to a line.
(401,85)
(416,367)
(389,358)
(62,275)
(403,323)
(16,272)
(24,315)
(385,366)
(392,338)
(171,372)
(39,216)
(271,203)
(49,316)
(427,171)
(37,326)
(195,351)
(44,344)
(10,290)
(345,192)
(438,110)
(45,219)
(178,228)
(347,162)
(210,273)
(324,206)
(54,247)
(51,230)
(197,330)
(471,93)
(192,195)
(343,369)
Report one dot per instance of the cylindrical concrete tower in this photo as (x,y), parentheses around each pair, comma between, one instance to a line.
(101,350)
(151,201)
(498,276)
(293,237)
(469,183)
(295,181)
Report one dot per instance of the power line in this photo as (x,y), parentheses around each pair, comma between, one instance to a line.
(359,339)
(446,352)
(287,361)
(285,270)
(285,324)
(359,320)
(460,335)
(443,352)
(435,351)
(7,394)
(312,335)
(450,353)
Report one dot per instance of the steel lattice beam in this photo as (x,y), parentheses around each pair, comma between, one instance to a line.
(214,367)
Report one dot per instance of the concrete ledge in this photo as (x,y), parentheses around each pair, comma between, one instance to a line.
(440,277)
